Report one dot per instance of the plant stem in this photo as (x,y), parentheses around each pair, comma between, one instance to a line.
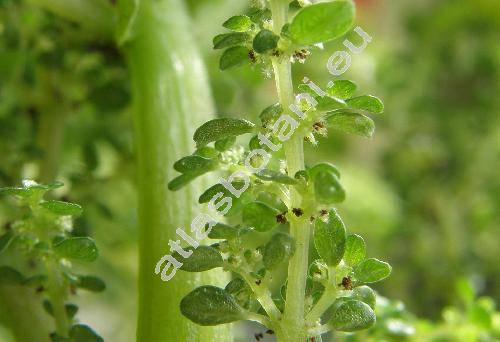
(322,305)
(57,295)
(171,97)
(293,318)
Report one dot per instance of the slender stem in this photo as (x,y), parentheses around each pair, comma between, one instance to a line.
(293,318)
(57,294)
(171,97)
(262,293)
(318,331)
(251,316)
(322,305)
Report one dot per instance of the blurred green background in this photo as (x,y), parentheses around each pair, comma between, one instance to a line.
(424,192)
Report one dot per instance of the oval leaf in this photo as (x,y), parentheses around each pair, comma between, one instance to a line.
(352,123)
(372,270)
(209,305)
(278,250)
(264,41)
(217,129)
(203,258)
(77,248)
(194,165)
(259,216)
(224,231)
(275,176)
(329,238)
(328,189)
(353,315)
(91,283)
(367,103)
(238,23)
(226,40)
(355,250)
(365,294)
(233,57)
(323,167)
(342,89)
(83,333)
(322,22)
(62,208)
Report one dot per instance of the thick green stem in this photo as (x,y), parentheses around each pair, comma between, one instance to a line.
(171,98)
(293,318)
(50,139)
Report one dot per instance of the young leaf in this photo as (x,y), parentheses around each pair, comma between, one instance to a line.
(329,238)
(327,188)
(233,57)
(275,176)
(194,165)
(217,129)
(238,23)
(226,40)
(29,189)
(328,104)
(372,270)
(208,194)
(264,41)
(209,305)
(365,294)
(355,250)
(323,167)
(271,113)
(62,208)
(225,143)
(342,89)
(352,315)
(240,290)
(223,231)
(10,276)
(367,103)
(204,258)
(207,152)
(5,240)
(83,333)
(91,283)
(322,22)
(77,248)
(180,181)
(278,250)
(260,216)
(351,122)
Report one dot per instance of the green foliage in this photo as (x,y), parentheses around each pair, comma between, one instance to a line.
(329,238)
(353,315)
(203,258)
(372,270)
(217,129)
(44,235)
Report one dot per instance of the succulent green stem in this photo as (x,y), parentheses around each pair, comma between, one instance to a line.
(293,319)
(322,305)
(171,97)
(57,290)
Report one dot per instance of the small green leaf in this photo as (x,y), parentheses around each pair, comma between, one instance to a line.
(264,41)
(194,165)
(353,315)
(29,189)
(328,104)
(259,216)
(322,22)
(207,152)
(83,333)
(5,240)
(278,250)
(226,40)
(342,89)
(367,103)
(240,290)
(351,122)
(225,143)
(372,270)
(204,258)
(209,305)
(180,181)
(91,283)
(208,194)
(275,176)
(224,231)
(77,248)
(233,57)
(365,294)
(10,276)
(62,208)
(327,188)
(329,238)
(355,250)
(272,200)
(238,23)
(217,129)
(271,113)
(323,167)
(258,15)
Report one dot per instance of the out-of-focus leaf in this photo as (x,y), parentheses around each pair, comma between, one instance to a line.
(77,248)
(217,129)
